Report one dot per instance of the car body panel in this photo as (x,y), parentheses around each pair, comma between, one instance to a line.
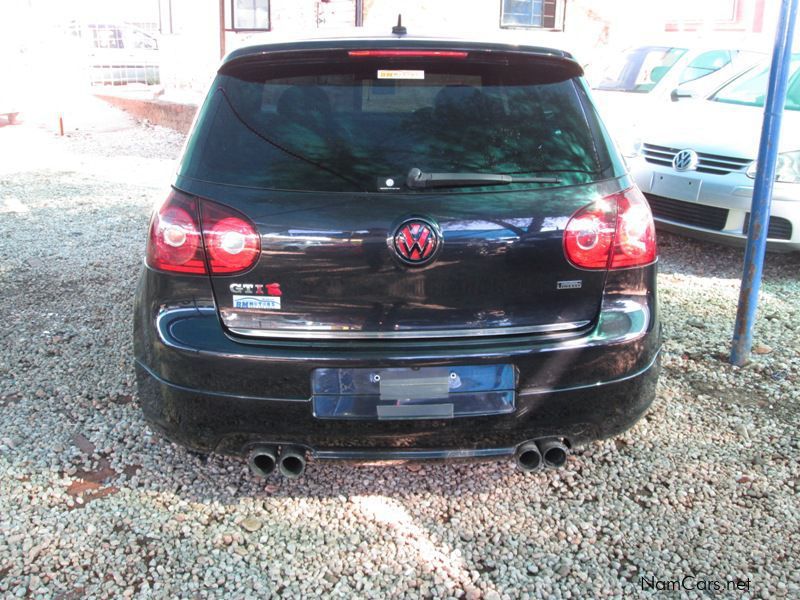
(217,392)
(499,267)
(680,123)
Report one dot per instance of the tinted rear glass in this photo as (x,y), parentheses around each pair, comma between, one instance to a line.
(353,125)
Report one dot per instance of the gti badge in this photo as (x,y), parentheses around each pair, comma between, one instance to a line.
(416,241)
(685,160)
(265,296)
(261,289)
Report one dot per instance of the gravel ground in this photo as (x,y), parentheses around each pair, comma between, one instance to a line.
(93,504)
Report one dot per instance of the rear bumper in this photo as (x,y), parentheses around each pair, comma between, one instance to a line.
(209,422)
(207,390)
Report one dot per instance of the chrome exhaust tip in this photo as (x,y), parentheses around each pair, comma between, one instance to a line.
(262,460)
(528,457)
(292,462)
(554,452)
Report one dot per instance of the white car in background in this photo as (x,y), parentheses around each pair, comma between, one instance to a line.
(696,163)
(632,89)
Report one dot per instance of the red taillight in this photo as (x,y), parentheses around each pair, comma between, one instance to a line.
(407,54)
(232,242)
(589,235)
(229,243)
(614,233)
(174,243)
(635,242)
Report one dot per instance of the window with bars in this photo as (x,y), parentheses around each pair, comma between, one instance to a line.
(528,13)
(247,15)
(107,36)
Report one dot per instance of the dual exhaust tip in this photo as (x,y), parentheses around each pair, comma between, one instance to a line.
(532,456)
(290,461)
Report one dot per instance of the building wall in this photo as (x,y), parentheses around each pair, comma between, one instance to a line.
(189,40)
(588,28)
(189,44)
(443,16)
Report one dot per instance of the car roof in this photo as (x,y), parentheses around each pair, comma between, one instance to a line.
(358,38)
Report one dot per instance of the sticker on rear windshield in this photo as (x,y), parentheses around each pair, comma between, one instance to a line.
(262,302)
(400,74)
(388,184)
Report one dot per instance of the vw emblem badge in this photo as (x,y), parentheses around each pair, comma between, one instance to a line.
(685,160)
(416,241)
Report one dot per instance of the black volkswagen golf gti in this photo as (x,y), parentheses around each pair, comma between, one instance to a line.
(397,249)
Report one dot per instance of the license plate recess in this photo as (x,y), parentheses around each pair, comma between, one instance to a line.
(413,393)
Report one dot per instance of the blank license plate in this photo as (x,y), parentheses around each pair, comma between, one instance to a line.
(413,393)
(405,384)
(676,186)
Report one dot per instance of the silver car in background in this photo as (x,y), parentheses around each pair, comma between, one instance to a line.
(637,83)
(696,163)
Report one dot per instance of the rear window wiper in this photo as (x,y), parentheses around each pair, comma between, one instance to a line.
(417,179)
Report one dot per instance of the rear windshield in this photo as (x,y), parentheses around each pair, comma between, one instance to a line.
(362,125)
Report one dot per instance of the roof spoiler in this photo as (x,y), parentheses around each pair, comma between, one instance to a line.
(562,63)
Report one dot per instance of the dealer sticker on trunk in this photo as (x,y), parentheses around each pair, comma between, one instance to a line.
(400,74)
(262,302)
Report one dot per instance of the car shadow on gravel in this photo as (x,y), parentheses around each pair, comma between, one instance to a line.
(228,479)
(135,460)
(196,478)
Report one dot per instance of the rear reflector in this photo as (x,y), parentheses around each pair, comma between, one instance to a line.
(615,232)
(407,54)
(229,242)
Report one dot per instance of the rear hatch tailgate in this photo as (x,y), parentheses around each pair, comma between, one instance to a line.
(317,151)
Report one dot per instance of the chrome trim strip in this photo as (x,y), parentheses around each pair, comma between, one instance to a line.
(393,335)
